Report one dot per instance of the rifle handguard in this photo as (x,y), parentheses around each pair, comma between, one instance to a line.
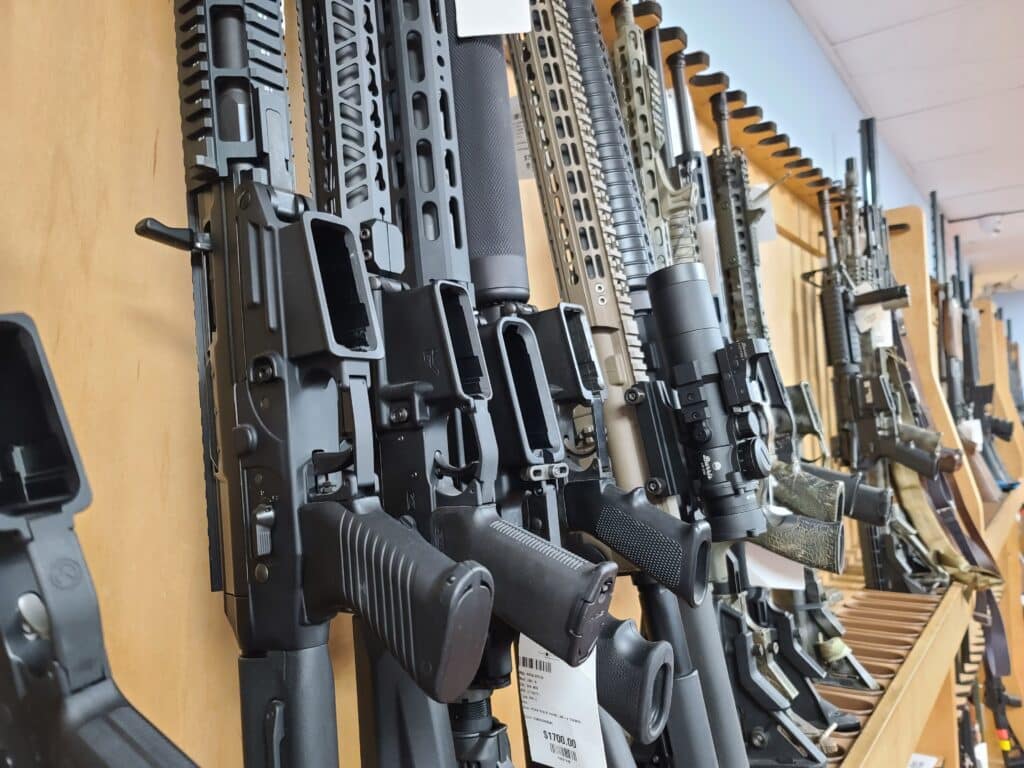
(864,502)
(805,540)
(432,613)
(671,551)
(550,594)
(634,679)
(807,494)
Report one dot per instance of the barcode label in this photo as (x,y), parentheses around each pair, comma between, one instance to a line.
(568,754)
(559,705)
(528,662)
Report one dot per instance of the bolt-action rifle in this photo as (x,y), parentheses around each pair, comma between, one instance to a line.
(61,704)
(287,340)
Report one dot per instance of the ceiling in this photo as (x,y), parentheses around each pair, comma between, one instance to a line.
(945,81)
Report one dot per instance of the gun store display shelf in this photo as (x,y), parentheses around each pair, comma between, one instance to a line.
(761,139)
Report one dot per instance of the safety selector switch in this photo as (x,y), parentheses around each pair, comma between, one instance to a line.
(263,524)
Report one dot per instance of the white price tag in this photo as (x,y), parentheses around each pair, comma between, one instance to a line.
(476,18)
(766,569)
(970,430)
(922,761)
(981,754)
(874,319)
(761,198)
(560,709)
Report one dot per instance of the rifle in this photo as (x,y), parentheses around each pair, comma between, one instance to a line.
(287,339)
(675,303)
(894,557)
(978,396)
(559,377)
(1013,361)
(61,704)
(588,264)
(809,653)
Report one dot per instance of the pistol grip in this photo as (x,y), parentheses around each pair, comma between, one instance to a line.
(671,551)
(634,679)
(553,596)
(431,613)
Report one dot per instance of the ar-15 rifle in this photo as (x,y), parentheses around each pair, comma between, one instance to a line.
(977,396)
(820,632)
(478,470)
(1013,361)
(287,337)
(589,268)
(865,401)
(61,704)
(682,312)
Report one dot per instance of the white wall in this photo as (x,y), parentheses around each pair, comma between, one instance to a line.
(768,52)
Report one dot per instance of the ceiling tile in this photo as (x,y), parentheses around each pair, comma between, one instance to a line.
(845,21)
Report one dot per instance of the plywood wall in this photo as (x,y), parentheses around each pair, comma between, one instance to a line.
(91,141)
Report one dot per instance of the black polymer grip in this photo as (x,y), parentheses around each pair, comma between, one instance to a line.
(529,573)
(430,612)
(1002,428)
(864,502)
(624,197)
(100,729)
(634,679)
(491,203)
(671,551)
(922,462)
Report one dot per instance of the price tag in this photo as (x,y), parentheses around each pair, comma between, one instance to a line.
(560,709)
(874,319)
(922,761)
(767,569)
(970,429)
(981,754)
(475,18)
(760,196)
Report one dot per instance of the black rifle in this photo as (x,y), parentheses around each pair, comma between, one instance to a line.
(540,483)
(977,397)
(287,338)
(61,705)
(866,403)
(588,263)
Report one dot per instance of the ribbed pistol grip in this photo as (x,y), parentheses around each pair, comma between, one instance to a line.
(430,612)
(553,596)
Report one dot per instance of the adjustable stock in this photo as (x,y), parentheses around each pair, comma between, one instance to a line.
(431,613)
(555,597)
(669,550)
(811,542)
(634,679)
